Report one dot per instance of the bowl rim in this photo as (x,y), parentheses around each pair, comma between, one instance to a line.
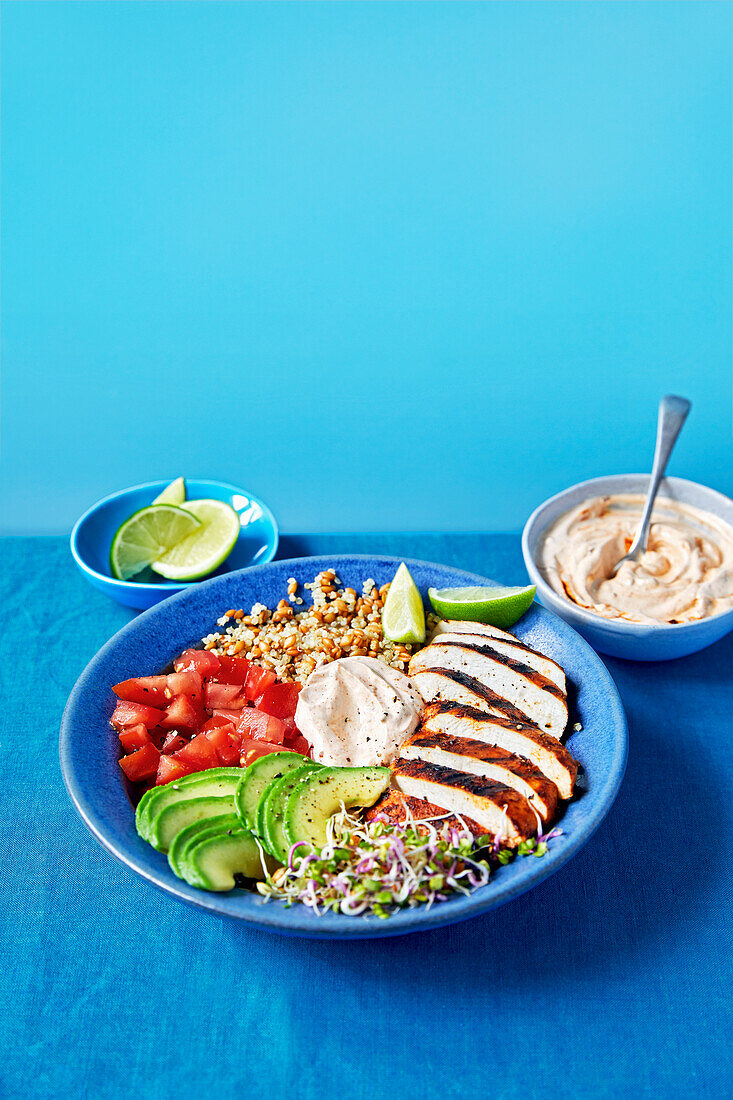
(163,586)
(590,618)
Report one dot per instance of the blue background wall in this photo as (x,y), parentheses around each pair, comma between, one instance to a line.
(390,265)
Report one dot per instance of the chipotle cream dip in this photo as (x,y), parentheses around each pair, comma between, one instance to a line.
(685,574)
(357,711)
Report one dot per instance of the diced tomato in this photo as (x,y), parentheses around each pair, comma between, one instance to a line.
(233,670)
(260,726)
(197,660)
(216,722)
(300,745)
(229,696)
(185,683)
(133,714)
(173,742)
(228,715)
(199,754)
(169,768)
(134,737)
(182,713)
(291,730)
(280,700)
(253,750)
(226,741)
(149,690)
(258,679)
(142,764)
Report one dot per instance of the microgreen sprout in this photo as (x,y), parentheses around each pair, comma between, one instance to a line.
(378,866)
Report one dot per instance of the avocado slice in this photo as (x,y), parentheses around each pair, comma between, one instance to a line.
(177,815)
(214,781)
(256,777)
(187,836)
(271,808)
(212,862)
(317,797)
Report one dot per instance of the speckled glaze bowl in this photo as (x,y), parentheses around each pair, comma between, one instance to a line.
(92,535)
(634,641)
(89,747)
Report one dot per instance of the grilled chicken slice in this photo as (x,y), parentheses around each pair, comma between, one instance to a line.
(498,809)
(546,753)
(490,761)
(397,806)
(540,700)
(443,684)
(460,626)
(514,648)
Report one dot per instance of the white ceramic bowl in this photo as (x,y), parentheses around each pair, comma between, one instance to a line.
(635,641)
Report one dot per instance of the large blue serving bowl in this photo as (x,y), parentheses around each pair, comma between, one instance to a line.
(90,749)
(92,535)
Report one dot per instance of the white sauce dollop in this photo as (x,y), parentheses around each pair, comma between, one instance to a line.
(357,711)
(685,574)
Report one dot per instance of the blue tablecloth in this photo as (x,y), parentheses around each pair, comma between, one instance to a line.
(612,978)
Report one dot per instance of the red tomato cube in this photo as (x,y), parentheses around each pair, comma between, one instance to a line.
(217,721)
(185,683)
(260,726)
(228,696)
(225,715)
(169,768)
(149,690)
(258,679)
(280,700)
(300,745)
(182,713)
(197,660)
(233,670)
(134,737)
(133,714)
(253,750)
(173,742)
(226,742)
(142,764)
(199,754)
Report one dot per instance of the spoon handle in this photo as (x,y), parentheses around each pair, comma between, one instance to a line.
(672,415)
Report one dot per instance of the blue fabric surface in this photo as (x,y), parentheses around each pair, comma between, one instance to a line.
(612,978)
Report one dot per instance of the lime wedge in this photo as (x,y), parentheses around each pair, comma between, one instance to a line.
(175,493)
(146,535)
(202,551)
(498,606)
(403,617)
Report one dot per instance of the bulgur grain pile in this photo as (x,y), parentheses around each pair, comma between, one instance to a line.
(340,623)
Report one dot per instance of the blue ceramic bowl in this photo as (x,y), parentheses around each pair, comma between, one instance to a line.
(634,641)
(92,536)
(90,749)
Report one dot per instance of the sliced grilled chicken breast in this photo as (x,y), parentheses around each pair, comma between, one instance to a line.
(547,753)
(460,626)
(498,809)
(396,806)
(541,701)
(445,684)
(515,649)
(490,761)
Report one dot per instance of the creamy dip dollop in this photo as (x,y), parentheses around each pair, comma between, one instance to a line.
(357,711)
(685,574)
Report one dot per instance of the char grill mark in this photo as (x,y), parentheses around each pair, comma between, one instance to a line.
(497,702)
(531,674)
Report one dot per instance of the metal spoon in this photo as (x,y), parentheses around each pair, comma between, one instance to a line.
(672,414)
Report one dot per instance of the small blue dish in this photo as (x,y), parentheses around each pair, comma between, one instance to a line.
(89,748)
(92,535)
(616,637)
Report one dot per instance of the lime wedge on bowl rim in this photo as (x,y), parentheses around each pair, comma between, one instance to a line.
(175,493)
(146,535)
(403,617)
(497,606)
(204,549)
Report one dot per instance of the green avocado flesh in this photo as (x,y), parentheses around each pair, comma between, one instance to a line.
(271,809)
(256,777)
(320,795)
(177,815)
(212,862)
(182,841)
(215,781)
